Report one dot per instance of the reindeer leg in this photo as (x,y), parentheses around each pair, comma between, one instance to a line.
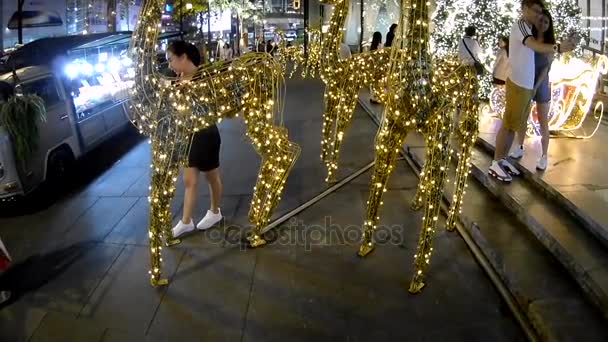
(388,142)
(277,162)
(418,200)
(436,171)
(344,111)
(469,129)
(332,99)
(162,189)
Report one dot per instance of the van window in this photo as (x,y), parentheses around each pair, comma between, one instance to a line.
(45,88)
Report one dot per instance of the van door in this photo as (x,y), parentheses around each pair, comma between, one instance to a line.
(54,131)
(115,117)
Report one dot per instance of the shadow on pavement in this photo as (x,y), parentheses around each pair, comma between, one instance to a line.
(36,271)
(85,171)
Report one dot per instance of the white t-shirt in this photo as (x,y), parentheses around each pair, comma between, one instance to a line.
(521,57)
(464,55)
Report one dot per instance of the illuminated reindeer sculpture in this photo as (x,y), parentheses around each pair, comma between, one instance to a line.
(168,114)
(345,78)
(423,95)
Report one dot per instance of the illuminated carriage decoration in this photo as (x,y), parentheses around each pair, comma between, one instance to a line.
(573,85)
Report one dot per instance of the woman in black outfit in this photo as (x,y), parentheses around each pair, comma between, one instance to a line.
(375,45)
(204,154)
(390,35)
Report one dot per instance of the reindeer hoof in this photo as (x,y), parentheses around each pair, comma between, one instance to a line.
(416,287)
(172,242)
(416,205)
(159,282)
(365,249)
(256,241)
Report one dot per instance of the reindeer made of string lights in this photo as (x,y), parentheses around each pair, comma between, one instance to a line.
(343,79)
(169,114)
(423,94)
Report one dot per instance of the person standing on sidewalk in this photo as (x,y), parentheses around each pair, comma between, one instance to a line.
(501,64)
(390,36)
(542,90)
(520,84)
(468,47)
(204,154)
(375,45)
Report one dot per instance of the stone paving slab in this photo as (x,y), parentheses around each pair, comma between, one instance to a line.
(64,327)
(124,299)
(64,294)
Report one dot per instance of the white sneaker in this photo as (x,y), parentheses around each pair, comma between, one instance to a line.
(181,228)
(498,172)
(209,220)
(509,167)
(518,152)
(542,163)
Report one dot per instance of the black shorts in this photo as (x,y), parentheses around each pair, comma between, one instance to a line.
(205,149)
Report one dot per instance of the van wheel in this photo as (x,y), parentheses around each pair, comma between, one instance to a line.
(59,165)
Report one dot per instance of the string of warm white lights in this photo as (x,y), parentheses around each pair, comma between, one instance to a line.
(169,113)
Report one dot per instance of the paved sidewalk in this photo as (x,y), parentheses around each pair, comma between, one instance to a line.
(306,285)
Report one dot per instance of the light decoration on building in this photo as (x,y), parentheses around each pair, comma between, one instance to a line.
(573,86)
(169,113)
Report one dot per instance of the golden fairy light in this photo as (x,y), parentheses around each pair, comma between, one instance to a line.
(422,96)
(168,115)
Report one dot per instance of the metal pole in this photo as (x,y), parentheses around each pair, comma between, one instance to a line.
(20,20)
(362,26)
(181,18)
(209,27)
(306,14)
(1,30)
(603,40)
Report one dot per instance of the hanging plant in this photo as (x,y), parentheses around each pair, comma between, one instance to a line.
(20,116)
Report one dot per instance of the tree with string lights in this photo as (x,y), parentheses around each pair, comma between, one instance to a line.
(493,19)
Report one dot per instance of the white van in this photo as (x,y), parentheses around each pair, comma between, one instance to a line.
(84,82)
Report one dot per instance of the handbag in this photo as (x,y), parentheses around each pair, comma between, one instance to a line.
(479,69)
